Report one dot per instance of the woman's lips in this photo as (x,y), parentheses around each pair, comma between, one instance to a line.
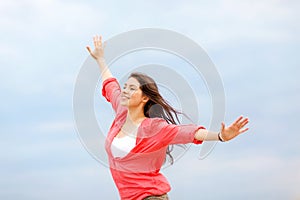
(124,97)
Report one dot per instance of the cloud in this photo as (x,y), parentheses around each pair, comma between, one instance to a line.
(255,174)
(42,47)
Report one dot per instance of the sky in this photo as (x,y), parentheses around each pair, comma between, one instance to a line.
(253,44)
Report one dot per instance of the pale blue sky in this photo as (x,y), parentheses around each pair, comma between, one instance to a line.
(254,45)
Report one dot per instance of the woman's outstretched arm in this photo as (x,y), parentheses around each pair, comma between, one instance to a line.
(98,55)
(226,133)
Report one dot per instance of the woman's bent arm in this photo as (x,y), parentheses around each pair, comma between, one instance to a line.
(98,55)
(105,72)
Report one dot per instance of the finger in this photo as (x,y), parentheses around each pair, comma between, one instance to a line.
(244,122)
(245,119)
(89,49)
(98,38)
(240,123)
(222,126)
(244,130)
(97,41)
(237,121)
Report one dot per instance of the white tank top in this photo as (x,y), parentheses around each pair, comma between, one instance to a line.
(120,147)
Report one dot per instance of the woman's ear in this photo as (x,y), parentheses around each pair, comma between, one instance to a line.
(145,99)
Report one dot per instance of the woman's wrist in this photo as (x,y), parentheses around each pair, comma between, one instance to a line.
(101,59)
(220,137)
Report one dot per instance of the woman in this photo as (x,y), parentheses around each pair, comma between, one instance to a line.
(144,126)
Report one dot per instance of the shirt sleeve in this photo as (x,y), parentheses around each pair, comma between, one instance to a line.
(186,134)
(177,134)
(111,91)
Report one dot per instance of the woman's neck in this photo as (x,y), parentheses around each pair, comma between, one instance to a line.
(135,115)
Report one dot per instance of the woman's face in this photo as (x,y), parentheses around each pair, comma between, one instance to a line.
(132,96)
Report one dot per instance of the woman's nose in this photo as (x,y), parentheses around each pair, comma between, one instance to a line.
(125,91)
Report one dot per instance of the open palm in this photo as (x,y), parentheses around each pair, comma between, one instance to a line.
(98,52)
(233,130)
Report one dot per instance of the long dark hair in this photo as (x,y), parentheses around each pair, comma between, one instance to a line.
(156,106)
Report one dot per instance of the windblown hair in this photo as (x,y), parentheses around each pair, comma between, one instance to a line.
(156,106)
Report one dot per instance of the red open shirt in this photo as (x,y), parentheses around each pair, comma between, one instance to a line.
(137,175)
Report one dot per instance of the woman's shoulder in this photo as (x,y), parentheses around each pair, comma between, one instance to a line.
(155,121)
(110,79)
(150,127)
(157,128)
(155,124)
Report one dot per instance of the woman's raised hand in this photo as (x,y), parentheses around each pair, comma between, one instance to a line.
(98,52)
(236,128)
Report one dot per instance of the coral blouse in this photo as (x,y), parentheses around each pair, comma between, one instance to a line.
(137,174)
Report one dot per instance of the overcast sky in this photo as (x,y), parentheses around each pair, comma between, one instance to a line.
(253,44)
